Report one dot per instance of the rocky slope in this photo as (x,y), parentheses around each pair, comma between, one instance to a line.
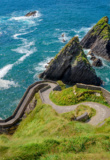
(98,39)
(71,66)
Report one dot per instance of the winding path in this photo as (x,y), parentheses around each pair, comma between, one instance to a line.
(102,112)
(44,88)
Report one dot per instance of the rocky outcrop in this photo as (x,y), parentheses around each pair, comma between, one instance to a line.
(71,66)
(97,63)
(31,14)
(98,39)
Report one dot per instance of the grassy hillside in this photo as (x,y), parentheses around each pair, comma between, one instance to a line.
(74,95)
(46,135)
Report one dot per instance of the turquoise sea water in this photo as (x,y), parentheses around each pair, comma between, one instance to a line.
(27,44)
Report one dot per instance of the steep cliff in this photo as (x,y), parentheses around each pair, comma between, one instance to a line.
(71,66)
(98,39)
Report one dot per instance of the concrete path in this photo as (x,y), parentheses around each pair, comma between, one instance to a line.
(102,112)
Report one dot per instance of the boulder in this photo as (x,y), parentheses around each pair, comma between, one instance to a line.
(97,63)
(33,13)
(98,39)
(92,58)
(71,66)
(83,117)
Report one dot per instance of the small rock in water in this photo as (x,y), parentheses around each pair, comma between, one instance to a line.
(31,14)
(64,40)
(63,35)
(97,63)
(46,66)
(92,58)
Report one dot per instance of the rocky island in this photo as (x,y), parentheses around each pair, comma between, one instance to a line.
(98,39)
(71,66)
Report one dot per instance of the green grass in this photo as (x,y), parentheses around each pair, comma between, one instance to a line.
(81,109)
(74,95)
(103,27)
(44,134)
(61,84)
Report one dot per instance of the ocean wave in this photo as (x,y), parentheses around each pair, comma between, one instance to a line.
(83,29)
(5,70)
(29,52)
(16,36)
(41,65)
(64,38)
(25,47)
(107,80)
(5,84)
(104,64)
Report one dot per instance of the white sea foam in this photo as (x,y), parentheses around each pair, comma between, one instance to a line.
(79,36)
(104,64)
(5,70)
(86,51)
(5,84)
(25,47)
(40,20)
(41,65)
(83,29)
(16,36)
(64,38)
(29,52)
(107,79)
(57,29)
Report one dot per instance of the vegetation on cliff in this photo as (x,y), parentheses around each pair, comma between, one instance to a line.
(98,39)
(80,110)
(46,135)
(102,28)
(74,95)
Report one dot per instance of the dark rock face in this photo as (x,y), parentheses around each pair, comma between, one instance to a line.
(97,63)
(98,39)
(31,14)
(71,66)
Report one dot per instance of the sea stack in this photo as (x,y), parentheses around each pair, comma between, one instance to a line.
(71,66)
(98,39)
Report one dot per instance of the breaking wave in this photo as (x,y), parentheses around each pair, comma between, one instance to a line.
(5,84)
